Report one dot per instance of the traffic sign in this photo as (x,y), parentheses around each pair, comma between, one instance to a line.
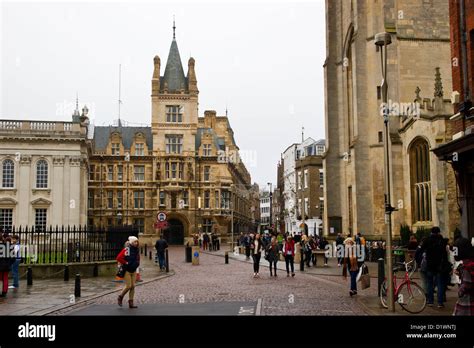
(161,216)
(161,224)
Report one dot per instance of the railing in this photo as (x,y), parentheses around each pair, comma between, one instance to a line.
(71,244)
(39,126)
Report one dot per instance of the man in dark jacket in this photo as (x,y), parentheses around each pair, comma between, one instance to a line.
(160,246)
(436,259)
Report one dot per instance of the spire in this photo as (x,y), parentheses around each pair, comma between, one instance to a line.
(76,114)
(174,79)
(174,29)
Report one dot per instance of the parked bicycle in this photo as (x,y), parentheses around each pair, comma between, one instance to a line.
(408,294)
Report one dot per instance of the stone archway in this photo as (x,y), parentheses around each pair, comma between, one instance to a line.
(174,234)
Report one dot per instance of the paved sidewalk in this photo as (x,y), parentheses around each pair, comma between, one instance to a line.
(49,295)
(368,298)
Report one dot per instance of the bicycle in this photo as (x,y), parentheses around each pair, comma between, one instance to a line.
(408,294)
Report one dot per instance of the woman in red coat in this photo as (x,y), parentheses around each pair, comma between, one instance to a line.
(289,252)
(129,257)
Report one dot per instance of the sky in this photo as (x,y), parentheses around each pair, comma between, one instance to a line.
(262,60)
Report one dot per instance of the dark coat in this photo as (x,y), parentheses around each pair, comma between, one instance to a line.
(5,260)
(273,252)
(436,253)
(161,246)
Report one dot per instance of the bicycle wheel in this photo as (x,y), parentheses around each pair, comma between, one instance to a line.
(383,294)
(411,297)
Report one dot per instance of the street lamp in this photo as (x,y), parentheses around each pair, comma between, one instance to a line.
(271,205)
(382,40)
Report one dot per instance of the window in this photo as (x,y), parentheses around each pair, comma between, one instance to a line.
(174,113)
(120,173)
(306,206)
(40,220)
(110,173)
(42,174)
(225,199)
(207,150)
(180,170)
(110,199)
(109,222)
(174,170)
(119,199)
(206,225)
(139,199)
(320,150)
(380,137)
(8,173)
(321,179)
(207,199)
(139,225)
(6,220)
(420,178)
(139,172)
(216,199)
(174,143)
(174,167)
(162,198)
(306,179)
(299,180)
(186,198)
(207,173)
(90,199)
(91,172)
(139,149)
(321,207)
(299,207)
(115,149)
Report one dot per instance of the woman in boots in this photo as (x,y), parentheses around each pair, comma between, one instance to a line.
(129,257)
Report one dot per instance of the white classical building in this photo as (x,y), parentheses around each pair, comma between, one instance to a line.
(43,172)
(265,206)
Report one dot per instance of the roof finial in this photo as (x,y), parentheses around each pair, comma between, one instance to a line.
(174,29)
(302,134)
(438,84)
(77,101)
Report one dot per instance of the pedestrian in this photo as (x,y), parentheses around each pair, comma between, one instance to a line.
(308,250)
(6,261)
(436,266)
(161,246)
(257,254)
(340,249)
(205,241)
(350,264)
(322,246)
(465,254)
(247,246)
(129,257)
(16,263)
(289,252)
(272,255)
(280,239)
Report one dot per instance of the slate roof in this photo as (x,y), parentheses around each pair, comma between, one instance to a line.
(102,134)
(174,73)
(218,141)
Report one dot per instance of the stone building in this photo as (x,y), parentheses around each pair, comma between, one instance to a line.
(43,172)
(185,165)
(459,152)
(418,58)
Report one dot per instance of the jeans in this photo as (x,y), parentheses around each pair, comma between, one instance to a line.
(308,256)
(256,262)
(161,259)
(354,280)
(274,265)
(15,273)
(289,261)
(433,278)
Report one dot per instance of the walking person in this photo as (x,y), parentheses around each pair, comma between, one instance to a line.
(16,263)
(340,249)
(322,246)
(289,252)
(273,254)
(161,246)
(435,249)
(465,255)
(247,243)
(6,262)
(257,254)
(205,241)
(350,264)
(129,257)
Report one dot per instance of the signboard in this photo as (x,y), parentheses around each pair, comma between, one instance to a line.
(161,216)
(161,224)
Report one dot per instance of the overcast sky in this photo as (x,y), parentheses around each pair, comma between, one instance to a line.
(261,59)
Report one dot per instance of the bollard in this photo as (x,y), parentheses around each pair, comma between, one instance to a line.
(226,257)
(66,273)
(302,263)
(167,261)
(29,276)
(95,272)
(77,286)
(381,274)
(145,249)
(150,255)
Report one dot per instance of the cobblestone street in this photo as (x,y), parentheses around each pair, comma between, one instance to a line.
(214,281)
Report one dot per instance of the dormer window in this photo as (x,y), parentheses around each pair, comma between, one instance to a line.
(140,149)
(207,150)
(115,149)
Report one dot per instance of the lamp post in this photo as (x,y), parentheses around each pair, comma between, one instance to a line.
(232,216)
(271,206)
(382,40)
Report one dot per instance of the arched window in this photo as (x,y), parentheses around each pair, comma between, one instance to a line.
(42,174)
(420,178)
(8,173)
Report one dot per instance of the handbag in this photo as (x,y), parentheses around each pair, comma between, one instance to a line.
(121,271)
(364,281)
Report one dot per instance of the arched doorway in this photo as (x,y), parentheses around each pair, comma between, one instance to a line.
(174,234)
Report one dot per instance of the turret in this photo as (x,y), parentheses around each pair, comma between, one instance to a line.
(155,82)
(192,81)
